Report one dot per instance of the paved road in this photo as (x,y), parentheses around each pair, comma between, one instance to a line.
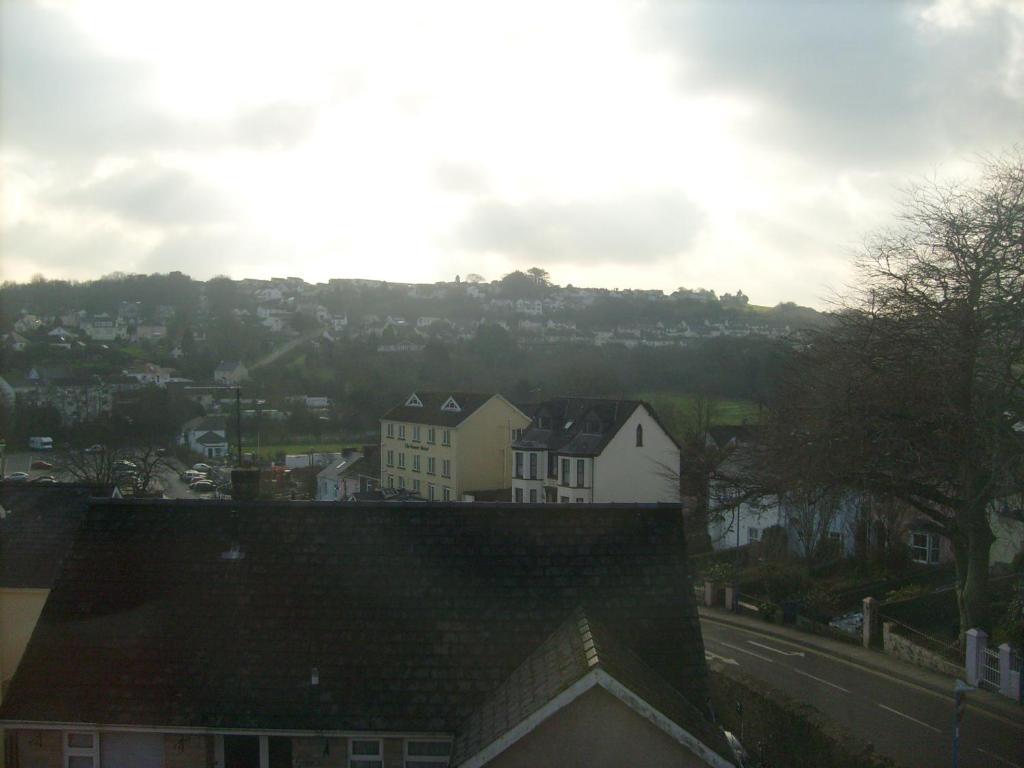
(910,722)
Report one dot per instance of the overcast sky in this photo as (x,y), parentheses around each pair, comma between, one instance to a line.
(621,144)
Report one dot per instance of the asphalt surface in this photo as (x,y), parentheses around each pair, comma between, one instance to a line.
(909,720)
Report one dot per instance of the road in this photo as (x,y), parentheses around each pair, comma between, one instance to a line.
(910,722)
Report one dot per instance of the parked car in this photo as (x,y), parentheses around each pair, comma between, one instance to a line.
(97,448)
(200,479)
(17,477)
(192,474)
(200,467)
(203,486)
(44,479)
(40,464)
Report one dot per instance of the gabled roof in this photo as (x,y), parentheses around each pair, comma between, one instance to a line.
(37,526)
(211,438)
(205,424)
(580,645)
(434,411)
(206,614)
(581,426)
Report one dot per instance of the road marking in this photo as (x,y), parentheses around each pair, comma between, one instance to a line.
(744,650)
(708,655)
(776,650)
(826,682)
(911,719)
(997,757)
(870,670)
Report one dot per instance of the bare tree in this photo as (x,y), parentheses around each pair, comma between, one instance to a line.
(135,471)
(913,393)
(473,277)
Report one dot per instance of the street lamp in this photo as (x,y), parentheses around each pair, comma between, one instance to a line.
(959,705)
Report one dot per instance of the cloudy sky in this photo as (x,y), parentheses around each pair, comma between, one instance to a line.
(616,143)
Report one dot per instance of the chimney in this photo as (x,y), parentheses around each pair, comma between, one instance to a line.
(245,484)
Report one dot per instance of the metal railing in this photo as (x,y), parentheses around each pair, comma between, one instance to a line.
(990,675)
(950,651)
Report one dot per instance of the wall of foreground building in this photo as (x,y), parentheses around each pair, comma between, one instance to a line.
(625,473)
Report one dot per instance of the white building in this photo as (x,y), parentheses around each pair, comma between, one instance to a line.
(206,435)
(587,450)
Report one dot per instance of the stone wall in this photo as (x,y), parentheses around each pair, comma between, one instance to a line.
(902,648)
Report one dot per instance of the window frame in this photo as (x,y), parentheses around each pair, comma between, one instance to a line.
(639,435)
(446,468)
(401,459)
(581,472)
(518,471)
(416,433)
(931,547)
(401,431)
(389,458)
(415,462)
(431,435)
(68,751)
(431,465)
(390,429)
(426,761)
(446,493)
(565,468)
(446,437)
(366,761)
(518,495)
(533,465)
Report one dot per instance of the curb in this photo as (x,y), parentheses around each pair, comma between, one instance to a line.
(1009,710)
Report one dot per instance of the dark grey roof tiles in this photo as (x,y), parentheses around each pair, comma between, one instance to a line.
(211,614)
(430,412)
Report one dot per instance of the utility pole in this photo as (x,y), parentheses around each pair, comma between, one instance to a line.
(238,422)
(959,705)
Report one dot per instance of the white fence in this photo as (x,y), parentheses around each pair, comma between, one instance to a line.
(996,670)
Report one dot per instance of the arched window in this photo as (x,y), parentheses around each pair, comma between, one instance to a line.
(639,435)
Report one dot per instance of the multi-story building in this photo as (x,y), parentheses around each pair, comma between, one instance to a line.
(442,445)
(585,450)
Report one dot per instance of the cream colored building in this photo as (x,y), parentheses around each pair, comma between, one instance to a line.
(442,446)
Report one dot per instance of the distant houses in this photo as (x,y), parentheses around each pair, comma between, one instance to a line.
(230,373)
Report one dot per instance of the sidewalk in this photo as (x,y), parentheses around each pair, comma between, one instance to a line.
(876,661)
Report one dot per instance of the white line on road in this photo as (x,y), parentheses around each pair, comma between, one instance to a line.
(744,650)
(775,650)
(911,719)
(997,757)
(826,682)
(708,655)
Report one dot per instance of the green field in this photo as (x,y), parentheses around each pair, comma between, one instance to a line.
(269,450)
(676,410)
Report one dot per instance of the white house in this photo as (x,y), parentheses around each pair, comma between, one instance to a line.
(230,372)
(354,472)
(589,450)
(206,435)
(148,373)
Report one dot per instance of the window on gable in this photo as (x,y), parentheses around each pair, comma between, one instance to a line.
(451,406)
(365,753)
(414,401)
(639,435)
(427,754)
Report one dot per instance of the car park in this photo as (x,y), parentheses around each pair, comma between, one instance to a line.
(40,464)
(203,486)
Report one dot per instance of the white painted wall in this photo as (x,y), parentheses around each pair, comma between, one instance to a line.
(625,473)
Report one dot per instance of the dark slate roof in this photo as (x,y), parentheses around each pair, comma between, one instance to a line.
(37,527)
(211,438)
(567,418)
(206,424)
(581,644)
(431,412)
(413,613)
(724,434)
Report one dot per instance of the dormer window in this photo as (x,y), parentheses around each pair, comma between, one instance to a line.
(414,401)
(543,422)
(451,406)
(592,427)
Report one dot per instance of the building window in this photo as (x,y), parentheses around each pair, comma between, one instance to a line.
(753,534)
(533,466)
(401,431)
(391,429)
(517,435)
(416,485)
(391,458)
(416,433)
(427,754)
(533,495)
(552,465)
(565,471)
(447,493)
(639,435)
(519,495)
(924,548)
(446,437)
(401,482)
(564,499)
(431,491)
(391,481)
(431,435)
(579,499)
(446,468)
(431,465)
(81,749)
(365,753)
(401,459)
(519,463)
(415,462)
(580,469)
